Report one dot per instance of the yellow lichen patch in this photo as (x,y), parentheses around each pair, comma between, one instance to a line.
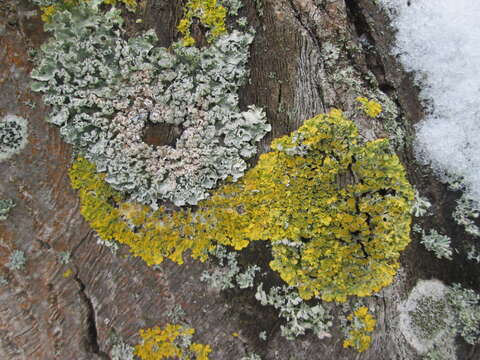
(49,11)
(336,212)
(68,273)
(159,235)
(362,325)
(343,207)
(210,14)
(169,343)
(370,107)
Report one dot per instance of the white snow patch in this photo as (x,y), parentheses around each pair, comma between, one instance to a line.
(439,40)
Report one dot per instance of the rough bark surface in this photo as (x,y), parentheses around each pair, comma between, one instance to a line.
(46,315)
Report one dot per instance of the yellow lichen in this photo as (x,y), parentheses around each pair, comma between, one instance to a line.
(167,343)
(343,208)
(159,235)
(68,273)
(49,11)
(362,325)
(370,107)
(210,14)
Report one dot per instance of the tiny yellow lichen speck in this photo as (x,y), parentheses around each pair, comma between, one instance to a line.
(68,273)
(370,107)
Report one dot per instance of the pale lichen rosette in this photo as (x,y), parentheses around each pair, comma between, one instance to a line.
(105,90)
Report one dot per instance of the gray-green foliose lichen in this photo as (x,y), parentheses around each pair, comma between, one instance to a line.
(300,316)
(13,136)
(104,90)
(5,206)
(228,273)
(233,6)
(466,308)
(17,260)
(467,213)
(45,2)
(439,244)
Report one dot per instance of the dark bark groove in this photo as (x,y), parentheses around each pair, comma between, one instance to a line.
(91,341)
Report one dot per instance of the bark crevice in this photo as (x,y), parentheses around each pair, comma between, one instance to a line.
(91,340)
(359,22)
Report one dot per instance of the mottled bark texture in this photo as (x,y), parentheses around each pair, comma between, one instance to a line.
(45,315)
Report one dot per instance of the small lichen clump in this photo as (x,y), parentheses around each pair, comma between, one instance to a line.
(210,13)
(362,325)
(467,213)
(171,342)
(439,244)
(300,317)
(6,205)
(228,273)
(13,136)
(420,205)
(122,351)
(64,257)
(337,212)
(104,90)
(16,260)
(370,107)
(466,312)
(50,7)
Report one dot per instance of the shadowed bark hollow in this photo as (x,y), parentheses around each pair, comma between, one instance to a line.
(161,134)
